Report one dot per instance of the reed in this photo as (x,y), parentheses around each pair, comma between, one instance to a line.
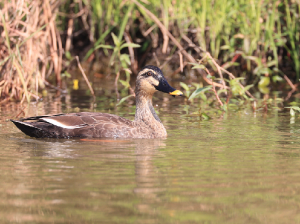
(31,50)
(257,40)
(259,29)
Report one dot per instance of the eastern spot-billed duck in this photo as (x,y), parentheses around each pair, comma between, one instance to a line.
(146,123)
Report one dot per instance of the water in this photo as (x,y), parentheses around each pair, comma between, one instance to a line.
(236,168)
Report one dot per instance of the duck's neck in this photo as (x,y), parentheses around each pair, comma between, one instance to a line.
(145,112)
(144,109)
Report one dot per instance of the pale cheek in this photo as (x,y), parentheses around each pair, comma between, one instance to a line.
(148,87)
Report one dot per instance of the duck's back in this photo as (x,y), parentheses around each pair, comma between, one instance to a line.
(84,124)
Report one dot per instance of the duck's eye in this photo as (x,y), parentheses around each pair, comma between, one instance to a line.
(149,73)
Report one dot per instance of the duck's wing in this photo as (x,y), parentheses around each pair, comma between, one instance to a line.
(84,124)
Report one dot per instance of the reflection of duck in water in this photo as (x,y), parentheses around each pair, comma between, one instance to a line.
(98,125)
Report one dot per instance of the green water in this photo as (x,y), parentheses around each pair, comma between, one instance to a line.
(236,168)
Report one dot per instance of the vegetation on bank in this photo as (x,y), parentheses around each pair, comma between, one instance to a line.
(236,49)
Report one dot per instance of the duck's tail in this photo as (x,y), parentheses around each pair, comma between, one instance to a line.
(28,128)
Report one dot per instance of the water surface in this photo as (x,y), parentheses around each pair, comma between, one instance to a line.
(239,167)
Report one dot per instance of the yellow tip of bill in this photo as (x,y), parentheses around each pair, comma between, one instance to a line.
(176,93)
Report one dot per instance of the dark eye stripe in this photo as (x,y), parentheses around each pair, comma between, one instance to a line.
(149,73)
(146,74)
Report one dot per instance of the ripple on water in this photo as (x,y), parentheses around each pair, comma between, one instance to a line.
(234,169)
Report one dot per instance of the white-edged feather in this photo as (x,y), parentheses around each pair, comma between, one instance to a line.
(24,123)
(57,123)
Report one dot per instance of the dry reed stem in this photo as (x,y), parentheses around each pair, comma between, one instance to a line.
(220,68)
(30,30)
(291,92)
(166,42)
(179,69)
(73,15)
(233,77)
(214,90)
(198,50)
(69,34)
(156,59)
(133,62)
(22,80)
(85,77)
(181,61)
(147,32)
(289,82)
(21,111)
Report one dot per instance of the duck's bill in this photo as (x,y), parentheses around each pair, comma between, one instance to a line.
(176,93)
(166,88)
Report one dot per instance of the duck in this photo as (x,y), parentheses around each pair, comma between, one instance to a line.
(146,123)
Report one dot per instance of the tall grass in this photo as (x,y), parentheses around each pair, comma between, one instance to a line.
(262,36)
(31,50)
(257,29)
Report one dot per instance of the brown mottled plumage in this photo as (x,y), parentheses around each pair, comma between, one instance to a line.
(101,125)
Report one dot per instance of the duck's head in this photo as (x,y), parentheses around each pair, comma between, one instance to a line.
(150,79)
